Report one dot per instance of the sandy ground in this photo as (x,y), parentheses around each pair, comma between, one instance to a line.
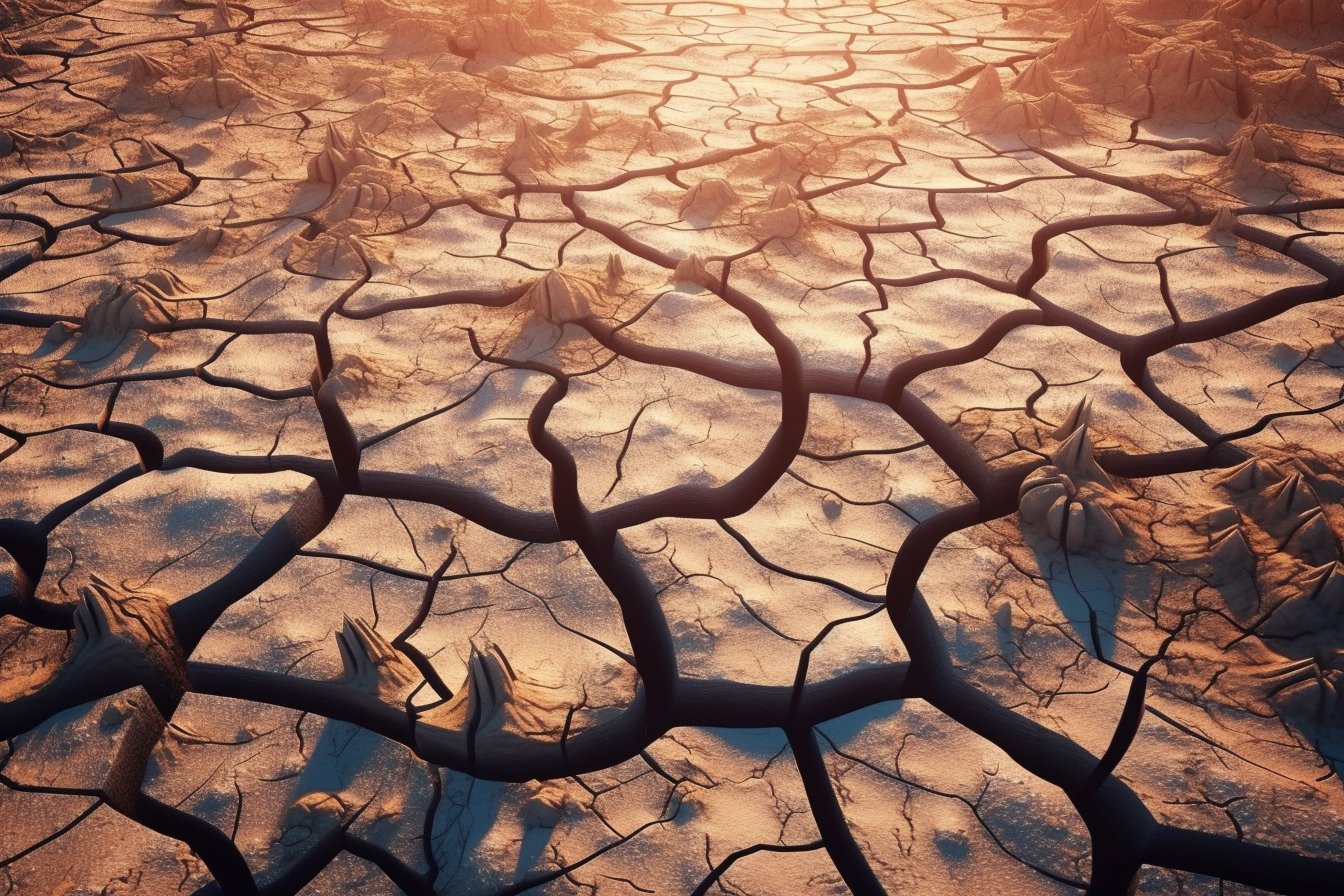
(594,447)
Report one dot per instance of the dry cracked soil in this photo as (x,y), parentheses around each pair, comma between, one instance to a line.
(604,447)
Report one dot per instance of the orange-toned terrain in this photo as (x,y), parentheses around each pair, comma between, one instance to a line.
(597,448)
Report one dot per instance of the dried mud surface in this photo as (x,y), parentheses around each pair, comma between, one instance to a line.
(593,447)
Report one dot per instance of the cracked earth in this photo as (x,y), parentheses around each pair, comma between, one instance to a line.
(595,447)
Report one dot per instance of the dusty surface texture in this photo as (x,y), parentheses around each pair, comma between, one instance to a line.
(593,447)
